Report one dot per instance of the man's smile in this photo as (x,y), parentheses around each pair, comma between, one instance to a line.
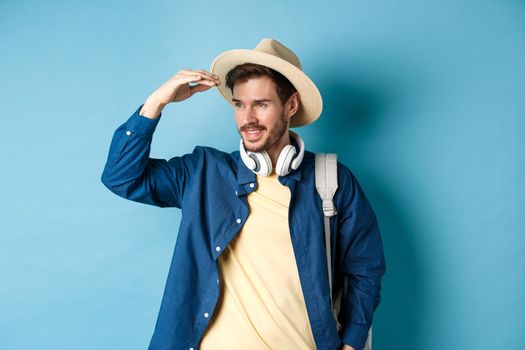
(252,133)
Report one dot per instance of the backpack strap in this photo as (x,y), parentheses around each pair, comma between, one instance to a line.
(326,184)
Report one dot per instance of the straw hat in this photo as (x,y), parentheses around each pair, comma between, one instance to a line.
(273,54)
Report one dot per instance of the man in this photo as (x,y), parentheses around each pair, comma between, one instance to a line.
(249,270)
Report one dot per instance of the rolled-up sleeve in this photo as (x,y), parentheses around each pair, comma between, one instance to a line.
(130,172)
(362,261)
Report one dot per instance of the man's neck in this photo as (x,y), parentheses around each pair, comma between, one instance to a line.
(276,149)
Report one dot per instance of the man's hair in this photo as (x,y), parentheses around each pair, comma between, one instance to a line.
(246,71)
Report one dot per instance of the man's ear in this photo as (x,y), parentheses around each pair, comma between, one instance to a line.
(292,105)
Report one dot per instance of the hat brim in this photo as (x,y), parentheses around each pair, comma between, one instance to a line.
(311,101)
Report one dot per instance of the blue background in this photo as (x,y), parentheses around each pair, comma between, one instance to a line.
(424,101)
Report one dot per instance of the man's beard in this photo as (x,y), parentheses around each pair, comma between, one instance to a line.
(273,136)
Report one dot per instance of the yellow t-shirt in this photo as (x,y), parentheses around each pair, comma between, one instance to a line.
(262,304)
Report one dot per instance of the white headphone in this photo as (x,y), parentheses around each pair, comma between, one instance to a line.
(261,164)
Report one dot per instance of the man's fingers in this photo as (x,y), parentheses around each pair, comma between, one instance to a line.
(205,82)
(199,71)
(199,88)
(195,78)
(202,73)
(208,74)
(184,84)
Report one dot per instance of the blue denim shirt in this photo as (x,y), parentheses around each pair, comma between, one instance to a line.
(210,187)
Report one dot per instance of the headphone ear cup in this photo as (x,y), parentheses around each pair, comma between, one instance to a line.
(284,162)
(258,162)
(265,163)
(299,157)
(248,160)
(257,166)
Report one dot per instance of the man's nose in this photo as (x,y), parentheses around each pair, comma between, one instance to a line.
(250,115)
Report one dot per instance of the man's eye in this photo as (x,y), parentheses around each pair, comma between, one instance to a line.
(237,104)
(260,104)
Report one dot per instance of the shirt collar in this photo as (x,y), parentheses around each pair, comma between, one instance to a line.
(244,175)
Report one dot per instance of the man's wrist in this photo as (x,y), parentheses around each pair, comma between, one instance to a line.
(152,108)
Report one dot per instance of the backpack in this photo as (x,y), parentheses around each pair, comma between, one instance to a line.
(326,185)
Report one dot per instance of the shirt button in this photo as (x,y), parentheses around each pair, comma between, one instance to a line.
(218,281)
(206,315)
(236,193)
(191,349)
(252,185)
(128,132)
(218,248)
(238,221)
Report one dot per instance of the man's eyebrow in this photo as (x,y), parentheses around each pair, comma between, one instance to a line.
(256,101)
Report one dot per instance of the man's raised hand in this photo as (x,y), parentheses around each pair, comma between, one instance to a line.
(178,88)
